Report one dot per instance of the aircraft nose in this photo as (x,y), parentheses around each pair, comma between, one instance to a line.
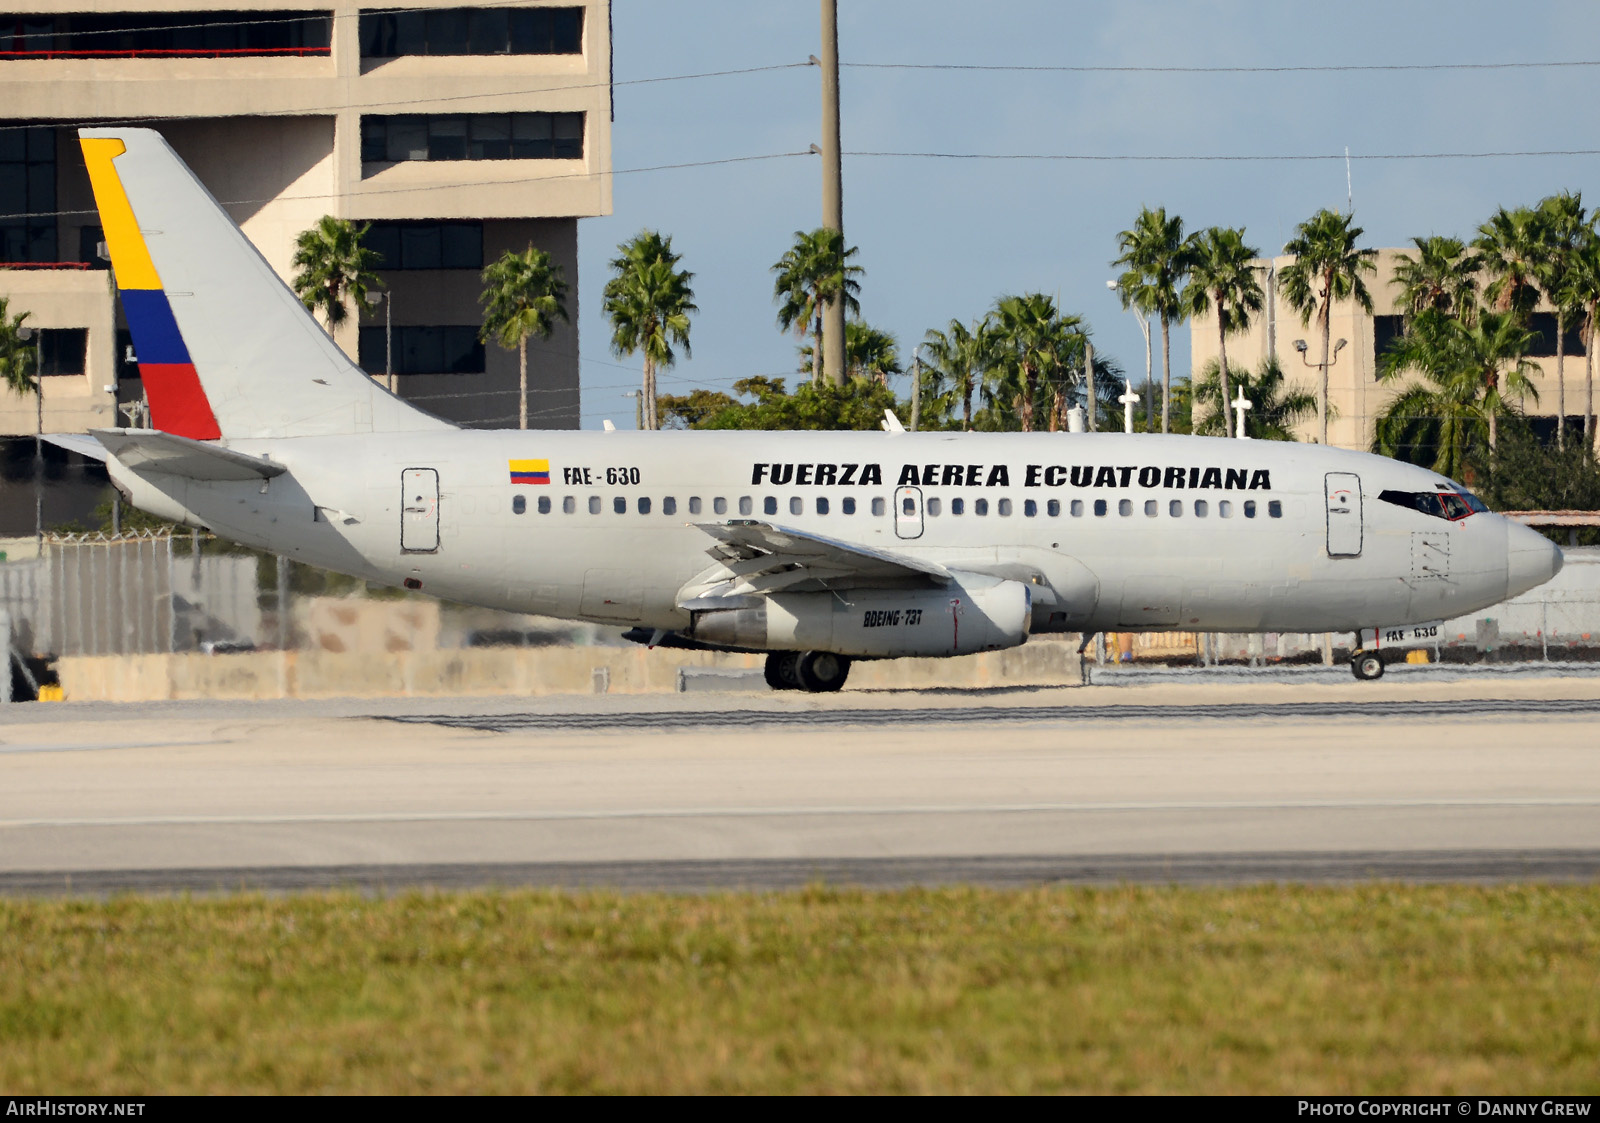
(1531,560)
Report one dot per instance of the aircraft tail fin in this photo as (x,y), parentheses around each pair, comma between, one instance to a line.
(225,349)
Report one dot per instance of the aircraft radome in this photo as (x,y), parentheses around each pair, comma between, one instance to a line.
(817,548)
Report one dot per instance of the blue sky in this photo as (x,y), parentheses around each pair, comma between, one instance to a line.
(941,239)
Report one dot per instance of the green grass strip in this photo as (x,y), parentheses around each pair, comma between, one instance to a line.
(1376,988)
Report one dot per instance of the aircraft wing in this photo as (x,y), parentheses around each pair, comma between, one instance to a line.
(150,450)
(759,557)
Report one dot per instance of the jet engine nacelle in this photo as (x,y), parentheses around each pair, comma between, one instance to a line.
(960,619)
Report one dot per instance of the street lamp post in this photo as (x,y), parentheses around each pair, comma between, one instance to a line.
(1300,346)
(1149,380)
(25,334)
(388,335)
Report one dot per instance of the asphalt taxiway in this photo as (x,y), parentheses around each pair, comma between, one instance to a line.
(1461,779)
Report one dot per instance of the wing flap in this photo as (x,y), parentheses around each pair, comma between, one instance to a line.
(152,451)
(759,558)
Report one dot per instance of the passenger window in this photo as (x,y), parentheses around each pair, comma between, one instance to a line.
(1274,509)
(619,505)
(544,504)
(519,504)
(569,505)
(1200,508)
(669,505)
(932,506)
(1175,508)
(822,504)
(958,506)
(848,505)
(1125,507)
(878,507)
(769,505)
(719,506)
(908,506)
(1053,508)
(694,504)
(747,506)
(594,504)
(796,506)
(1099,508)
(1152,508)
(1004,507)
(1029,508)
(1077,509)
(1249,508)
(1224,508)
(980,506)
(644,505)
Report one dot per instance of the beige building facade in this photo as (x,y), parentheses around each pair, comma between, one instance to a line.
(1355,392)
(457,132)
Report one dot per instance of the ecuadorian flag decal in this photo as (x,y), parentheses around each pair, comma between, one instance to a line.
(530,471)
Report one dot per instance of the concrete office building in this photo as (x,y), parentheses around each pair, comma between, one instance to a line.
(458,132)
(1354,391)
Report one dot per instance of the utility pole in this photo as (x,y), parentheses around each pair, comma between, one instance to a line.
(832,188)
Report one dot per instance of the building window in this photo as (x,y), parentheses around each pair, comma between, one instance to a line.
(168,34)
(1543,326)
(62,350)
(478,136)
(451,349)
(472,31)
(28,188)
(1385,331)
(426,245)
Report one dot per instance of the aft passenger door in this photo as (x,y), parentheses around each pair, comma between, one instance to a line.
(908,512)
(1344,515)
(419,511)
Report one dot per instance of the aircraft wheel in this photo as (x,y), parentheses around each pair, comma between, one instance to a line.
(1366,666)
(822,672)
(781,671)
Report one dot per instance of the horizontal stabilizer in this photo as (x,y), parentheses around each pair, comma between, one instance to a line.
(150,450)
(81,443)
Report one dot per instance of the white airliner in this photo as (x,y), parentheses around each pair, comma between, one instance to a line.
(817,548)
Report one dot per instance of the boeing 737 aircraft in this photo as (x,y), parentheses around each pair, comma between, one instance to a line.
(817,548)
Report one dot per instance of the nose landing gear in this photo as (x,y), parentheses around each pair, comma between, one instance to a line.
(816,672)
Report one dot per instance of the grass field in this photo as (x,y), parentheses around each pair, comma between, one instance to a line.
(1373,988)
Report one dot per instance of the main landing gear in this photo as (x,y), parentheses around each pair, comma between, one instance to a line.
(1366,665)
(817,672)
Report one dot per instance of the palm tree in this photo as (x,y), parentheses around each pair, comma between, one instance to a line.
(17,363)
(1443,276)
(1222,279)
(1512,245)
(1026,331)
(811,273)
(334,268)
(525,296)
(1327,267)
(1155,259)
(958,357)
(870,353)
(649,300)
(1562,228)
(1276,407)
(1466,368)
(1586,292)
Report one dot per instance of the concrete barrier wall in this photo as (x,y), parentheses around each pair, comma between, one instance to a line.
(503,671)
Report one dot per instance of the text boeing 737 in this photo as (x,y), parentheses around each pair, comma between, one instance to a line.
(815,547)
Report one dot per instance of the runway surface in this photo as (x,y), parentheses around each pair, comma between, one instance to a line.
(1194,783)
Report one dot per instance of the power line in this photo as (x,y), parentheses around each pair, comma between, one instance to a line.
(1214,158)
(1355,68)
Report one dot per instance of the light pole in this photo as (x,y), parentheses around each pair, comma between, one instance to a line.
(1300,346)
(1149,381)
(26,334)
(388,335)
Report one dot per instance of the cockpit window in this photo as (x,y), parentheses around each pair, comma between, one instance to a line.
(1451,505)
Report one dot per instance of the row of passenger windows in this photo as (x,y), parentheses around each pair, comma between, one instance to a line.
(1176,508)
